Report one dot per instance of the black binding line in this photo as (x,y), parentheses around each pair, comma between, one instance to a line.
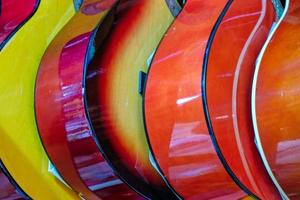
(37,124)
(205,104)
(92,37)
(6,40)
(96,139)
(151,152)
(12,181)
(85,99)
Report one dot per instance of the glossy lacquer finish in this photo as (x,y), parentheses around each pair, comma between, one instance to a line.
(173,108)
(229,74)
(21,149)
(62,122)
(276,103)
(13,14)
(9,190)
(114,102)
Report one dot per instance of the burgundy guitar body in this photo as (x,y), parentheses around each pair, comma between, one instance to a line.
(60,109)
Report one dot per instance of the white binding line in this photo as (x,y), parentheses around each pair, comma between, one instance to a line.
(234,94)
(253,104)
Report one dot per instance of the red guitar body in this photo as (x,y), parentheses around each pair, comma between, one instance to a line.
(13,14)
(60,109)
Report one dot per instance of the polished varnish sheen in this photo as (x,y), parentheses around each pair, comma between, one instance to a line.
(14,13)
(60,112)
(114,101)
(277,103)
(230,69)
(173,108)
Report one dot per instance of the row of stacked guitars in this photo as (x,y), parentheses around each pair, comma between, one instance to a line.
(149,99)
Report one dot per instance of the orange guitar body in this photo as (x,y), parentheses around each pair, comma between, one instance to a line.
(198,163)
(228,81)
(276,103)
(173,109)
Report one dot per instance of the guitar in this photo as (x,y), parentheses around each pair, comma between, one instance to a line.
(175,106)
(228,75)
(13,15)
(9,189)
(63,126)
(113,97)
(21,149)
(275,100)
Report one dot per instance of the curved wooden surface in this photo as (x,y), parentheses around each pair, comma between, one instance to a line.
(229,74)
(21,149)
(276,103)
(59,104)
(114,102)
(173,108)
(14,13)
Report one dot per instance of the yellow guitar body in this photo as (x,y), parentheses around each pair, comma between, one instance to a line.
(20,147)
